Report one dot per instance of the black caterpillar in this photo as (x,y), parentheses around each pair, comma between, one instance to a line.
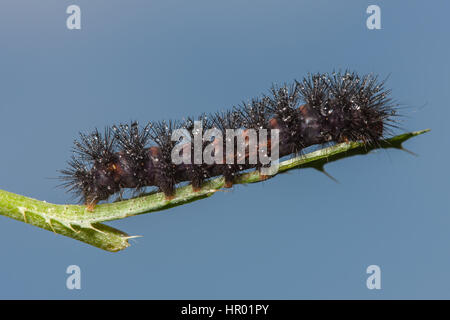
(321,108)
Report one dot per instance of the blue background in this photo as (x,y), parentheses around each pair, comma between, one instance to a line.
(300,235)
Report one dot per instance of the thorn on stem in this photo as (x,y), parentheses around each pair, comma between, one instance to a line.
(98,230)
(408,151)
(49,222)
(72,228)
(24,213)
(322,169)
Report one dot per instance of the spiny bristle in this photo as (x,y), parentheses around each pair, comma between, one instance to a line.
(77,178)
(95,146)
(161,133)
(321,108)
(283,101)
(165,172)
(254,115)
(314,89)
(226,120)
(132,139)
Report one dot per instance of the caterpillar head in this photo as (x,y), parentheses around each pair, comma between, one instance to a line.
(349,107)
(366,109)
(90,185)
(95,183)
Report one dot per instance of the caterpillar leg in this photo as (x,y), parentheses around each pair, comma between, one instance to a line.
(169,197)
(91,206)
(197,176)
(169,191)
(228,184)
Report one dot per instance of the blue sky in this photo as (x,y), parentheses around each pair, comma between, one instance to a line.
(298,236)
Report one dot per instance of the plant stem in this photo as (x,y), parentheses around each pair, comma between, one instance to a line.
(77,222)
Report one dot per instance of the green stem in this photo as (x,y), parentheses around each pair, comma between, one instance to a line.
(77,222)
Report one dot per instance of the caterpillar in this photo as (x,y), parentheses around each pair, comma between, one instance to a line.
(322,108)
